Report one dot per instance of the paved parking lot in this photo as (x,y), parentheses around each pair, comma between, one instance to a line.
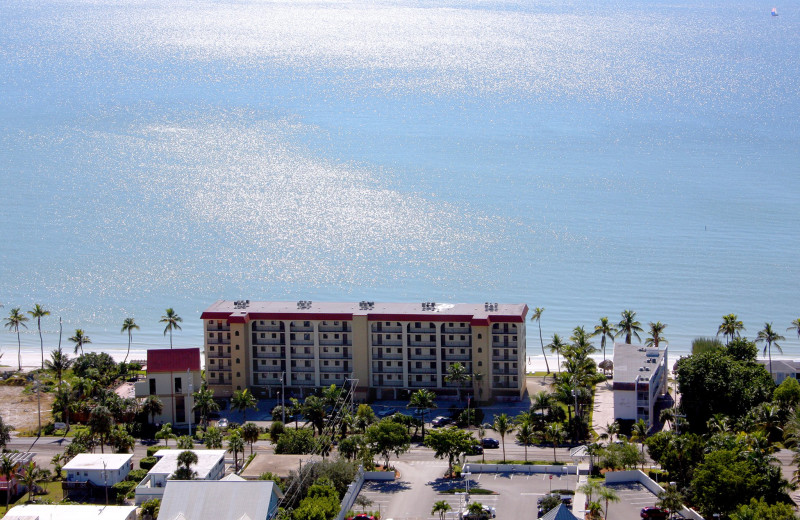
(412,496)
(633,497)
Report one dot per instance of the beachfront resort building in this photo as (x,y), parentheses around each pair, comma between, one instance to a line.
(173,375)
(640,379)
(210,466)
(392,349)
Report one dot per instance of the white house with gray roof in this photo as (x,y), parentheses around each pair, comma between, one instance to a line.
(210,466)
(640,378)
(219,500)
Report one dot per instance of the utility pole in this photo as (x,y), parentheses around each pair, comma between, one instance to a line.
(191,409)
(283,397)
(105,481)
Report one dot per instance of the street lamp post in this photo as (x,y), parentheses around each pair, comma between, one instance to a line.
(283,398)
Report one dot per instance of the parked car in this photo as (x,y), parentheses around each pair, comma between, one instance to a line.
(656,513)
(222,423)
(488,442)
(489,510)
(361,516)
(440,421)
(386,412)
(476,449)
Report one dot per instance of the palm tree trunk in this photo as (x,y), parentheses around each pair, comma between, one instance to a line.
(503,439)
(769,353)
(526,453)
(41,341)
(19,352)
(129,347)
(541,340)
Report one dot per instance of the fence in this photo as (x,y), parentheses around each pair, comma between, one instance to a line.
(524,469)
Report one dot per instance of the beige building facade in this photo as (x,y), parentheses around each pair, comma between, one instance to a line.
(173,375)
(392,349)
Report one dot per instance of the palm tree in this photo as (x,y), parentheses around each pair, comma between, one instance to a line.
(129,325)
(30,476)
(314,412)
(243,400)
(554,433)
(457,373)
(39,312)
(7,469)
(166,433)
(172,320)
(670,499)
(184,470)
(441,507)
(204,403)
(604,330)
(557,345)
(422,401)
(770,338)
(101,422)
(730,328)
(590,488)
(235,445)
(250,434)
(609,495)
(152,406)
(503,425)
(58,363)
(795,327)
(13,322)
(612,429)
(656,337)
(639,433)
(629,326)
(537,317)
(526,435)
(667,416)
(80,339)
(213,438)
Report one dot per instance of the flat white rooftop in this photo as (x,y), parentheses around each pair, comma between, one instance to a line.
(168,461)
(113,461)
(70,512)
(632,362)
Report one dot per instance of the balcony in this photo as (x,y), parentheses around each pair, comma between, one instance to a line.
(386,383)
(304,382)
(336,342)
(218,341)
(301,342)
(268,381)
(505,329)
(414,370)
(344,327)
(422,384)
(456,357)
(299,327)
(341,369)
(389,329)
(422,357)
(384,342)
(505,385)
(268,355)
(213,327)
(387,370)
(505,358)
(424,329)
(218,368)
(268,341)
(458,343)
(391,357)
(217,381)
(302,369)
(421,343)
(505,371)
(268,328)
(218,355)
(504,344)
(302,355)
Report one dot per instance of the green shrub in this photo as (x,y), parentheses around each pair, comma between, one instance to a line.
(136,475)
(122,488)
(151,507)
(147,463)
(295,442)
(153,449)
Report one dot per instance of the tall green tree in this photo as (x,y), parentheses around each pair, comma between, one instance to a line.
(656,334)
(639,434)
(387,437)
(38,312)
(58,363)
(80,339)
(101,422)
(554,433)
(315,413)
(213,438)
(450,443)
(7,469)
(173,321)
(795,327)
(13,322)
(731,327)
(236,446)
(762,510)
(30,475)
(537,317)
(242,401)
(204,403)
(502,425)
(628,326)
(770,338)
(152,406)
(250,434)
(526,435)
(607,495)
(166,433)
(440,507)
(457,373)
(557,346)
(422,400)
(184,469)
(129,325)
(605,330)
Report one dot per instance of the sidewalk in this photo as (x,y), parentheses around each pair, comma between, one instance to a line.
(603,411)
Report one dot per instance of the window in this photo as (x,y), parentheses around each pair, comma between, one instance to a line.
(237,346)
(450,337)
(306,324)
(418,351)
(480,336)
(449,324)
(480,350)
(178,386)
(325,362)
(237,360)
(307,337)
(262,349)
(238,374)
(152,386)
(417,325)
(263,362)
(419,364)
(263,335)
(480,363)
(236,333)
(419,378)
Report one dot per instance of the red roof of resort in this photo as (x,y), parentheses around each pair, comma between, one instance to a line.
(173,360)
(476,314)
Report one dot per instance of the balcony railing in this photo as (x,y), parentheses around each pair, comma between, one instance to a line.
(422,384)
(345,327)
(505,371)
(391,357)
(218,341)
(342,369)
(302,355)
(386,383)
(219,368)
(213,354)
(213,327)
(504,358)
(422,357)
(423,343)
(388,370)
(302,369)
(414,370)
(268,355)
(456,357)
(268,341)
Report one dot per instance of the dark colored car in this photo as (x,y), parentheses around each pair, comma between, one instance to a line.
(361,517)
(440,421)
(477,449)
(655,513)
(488,442)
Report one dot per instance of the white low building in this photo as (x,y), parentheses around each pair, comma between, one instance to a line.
(90,473)
(221,500)
(210,466)
(640,379)
(70,512)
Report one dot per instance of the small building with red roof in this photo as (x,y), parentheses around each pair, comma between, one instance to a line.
(173,375)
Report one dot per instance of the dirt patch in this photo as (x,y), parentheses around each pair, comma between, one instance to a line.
(19,409)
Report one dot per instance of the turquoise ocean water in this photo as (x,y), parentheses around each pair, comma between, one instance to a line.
(585,158)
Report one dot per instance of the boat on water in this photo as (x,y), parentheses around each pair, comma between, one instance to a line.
(774,11)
